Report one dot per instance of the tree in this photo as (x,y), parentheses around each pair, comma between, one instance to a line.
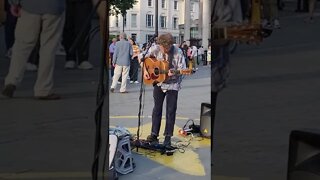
(121,7)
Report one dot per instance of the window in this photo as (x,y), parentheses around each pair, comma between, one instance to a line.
(192,7)
(175,23)
(176,39)
(117,21)
(150,3)
(134,37)
(163,4)
(194,32)
(175,5)
(149,20)
(133,20)
(163,21)
(148,37)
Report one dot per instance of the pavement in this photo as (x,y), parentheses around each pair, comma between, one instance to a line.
(273,89)
(55,139)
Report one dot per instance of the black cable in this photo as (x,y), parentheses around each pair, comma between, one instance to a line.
(187,123)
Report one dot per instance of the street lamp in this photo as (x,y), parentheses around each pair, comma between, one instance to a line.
(156,17)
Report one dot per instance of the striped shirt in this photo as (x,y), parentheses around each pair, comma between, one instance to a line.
(135,49)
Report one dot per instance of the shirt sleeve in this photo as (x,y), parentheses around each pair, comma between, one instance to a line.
(181,63)
(114,58)
(153,51)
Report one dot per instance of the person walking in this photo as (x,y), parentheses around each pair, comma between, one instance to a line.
(121,61)
(112,48)
(312,5)
(44,19)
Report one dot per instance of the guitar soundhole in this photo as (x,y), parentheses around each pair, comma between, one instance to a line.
(155,73)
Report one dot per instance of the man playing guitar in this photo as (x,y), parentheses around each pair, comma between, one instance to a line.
(164,50)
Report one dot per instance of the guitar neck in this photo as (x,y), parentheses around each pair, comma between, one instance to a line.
(172,71)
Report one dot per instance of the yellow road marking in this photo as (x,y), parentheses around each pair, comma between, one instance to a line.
(44,175)
(135,117)
(229,178)
(187,162)
(56,175)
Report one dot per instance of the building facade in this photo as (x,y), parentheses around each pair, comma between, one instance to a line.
(139,22)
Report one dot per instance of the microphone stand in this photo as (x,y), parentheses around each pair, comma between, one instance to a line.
(141,86)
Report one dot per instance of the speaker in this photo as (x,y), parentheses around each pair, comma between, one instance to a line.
(304,155)
(205,120)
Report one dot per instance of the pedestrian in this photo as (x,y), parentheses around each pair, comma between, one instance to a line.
(112,48)
(9,27)
(271,16)
(312,5)
(77,12)
(194,55)
(302,6)
(121,61)
(209,55)
(164,50)
(134,63)
(43,19)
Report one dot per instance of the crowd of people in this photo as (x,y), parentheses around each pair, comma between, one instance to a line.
(35,31)
(125,64)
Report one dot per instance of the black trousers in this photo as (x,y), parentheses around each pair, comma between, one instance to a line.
(302,7)
(134,68)
(171,108)
(111,65)
(9,26)
(76,15)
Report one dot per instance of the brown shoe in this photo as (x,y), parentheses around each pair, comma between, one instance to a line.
(49,97)
(9,90)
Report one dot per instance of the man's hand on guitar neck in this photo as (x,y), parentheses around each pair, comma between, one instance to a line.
(171,72)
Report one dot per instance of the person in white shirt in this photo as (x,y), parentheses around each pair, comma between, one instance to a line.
(194,55)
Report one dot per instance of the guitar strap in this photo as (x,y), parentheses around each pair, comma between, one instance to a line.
(172,79)
(170,57)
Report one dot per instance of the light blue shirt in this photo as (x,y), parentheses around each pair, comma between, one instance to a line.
(122,54)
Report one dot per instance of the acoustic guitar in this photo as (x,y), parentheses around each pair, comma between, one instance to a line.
(158,71)
(253,32)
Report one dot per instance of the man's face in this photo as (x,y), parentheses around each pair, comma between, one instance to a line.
(164,49)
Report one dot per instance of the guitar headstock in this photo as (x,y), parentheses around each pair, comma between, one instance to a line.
(185,71)
(248,33)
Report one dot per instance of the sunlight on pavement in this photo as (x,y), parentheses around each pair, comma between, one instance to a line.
(187,162)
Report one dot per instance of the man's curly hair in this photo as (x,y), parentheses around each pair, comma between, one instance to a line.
(166,40)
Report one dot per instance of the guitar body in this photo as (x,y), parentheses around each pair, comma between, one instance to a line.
(154,68)
(158,71)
